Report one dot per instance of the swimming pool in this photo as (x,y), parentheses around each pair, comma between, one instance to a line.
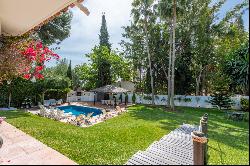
(77,110)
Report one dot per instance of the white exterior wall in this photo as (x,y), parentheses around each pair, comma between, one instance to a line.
(196,101)
(86,96)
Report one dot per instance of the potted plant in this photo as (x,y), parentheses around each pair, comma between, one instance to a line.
(126,98)
(120,97)
(134,98)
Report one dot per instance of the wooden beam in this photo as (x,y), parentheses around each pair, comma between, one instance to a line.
(0,28)
(82,8)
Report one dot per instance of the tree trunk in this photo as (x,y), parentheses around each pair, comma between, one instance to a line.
(9,100)
(164,70)
(173,60)
(149,61)
(140,80)
(43,93)
(203,83)
(198,81)
(9,83)
(197,86)
(169,64)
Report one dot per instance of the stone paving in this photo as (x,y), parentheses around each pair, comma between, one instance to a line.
(22,149)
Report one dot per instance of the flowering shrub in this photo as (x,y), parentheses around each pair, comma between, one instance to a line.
(37,54)
(26,59)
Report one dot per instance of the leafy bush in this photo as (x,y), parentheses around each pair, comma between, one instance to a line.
(197,99)
(178,98)
(244,104)
(56,94)
(20,89)
(147,97)
(220,92)
(186,100)
(246,117)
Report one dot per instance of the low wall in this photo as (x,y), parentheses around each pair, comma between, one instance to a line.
(180,100)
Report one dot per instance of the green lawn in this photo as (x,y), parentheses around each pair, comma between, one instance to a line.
(116,140)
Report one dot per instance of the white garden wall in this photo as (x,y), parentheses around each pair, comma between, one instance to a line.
(191,101)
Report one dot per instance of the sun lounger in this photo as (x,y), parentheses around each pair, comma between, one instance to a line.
(53,102)
(46,103)
(59,102)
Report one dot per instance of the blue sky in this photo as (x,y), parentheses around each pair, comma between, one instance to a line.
(85,29)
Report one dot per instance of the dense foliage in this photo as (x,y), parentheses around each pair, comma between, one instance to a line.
(56,30)
(101,60)
(238,69)
(204,44)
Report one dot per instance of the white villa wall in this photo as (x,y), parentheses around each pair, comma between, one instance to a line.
(196,101)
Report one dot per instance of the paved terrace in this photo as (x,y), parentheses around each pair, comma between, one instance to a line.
(22,149)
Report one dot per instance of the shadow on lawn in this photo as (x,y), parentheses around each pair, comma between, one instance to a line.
(221,130)
(14,114)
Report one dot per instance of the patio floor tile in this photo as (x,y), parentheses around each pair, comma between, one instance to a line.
(22,149)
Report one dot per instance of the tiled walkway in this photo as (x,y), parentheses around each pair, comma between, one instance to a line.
(22,149)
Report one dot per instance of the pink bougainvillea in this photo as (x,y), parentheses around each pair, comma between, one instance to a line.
(26,59)
(37,54)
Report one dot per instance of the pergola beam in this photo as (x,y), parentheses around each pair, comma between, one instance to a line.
(82,8)
(0,28)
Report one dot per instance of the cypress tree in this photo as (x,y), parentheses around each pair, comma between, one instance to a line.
(69,71)
(104,35)
(104,66)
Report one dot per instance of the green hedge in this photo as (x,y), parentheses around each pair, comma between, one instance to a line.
(244,104)
(56,94)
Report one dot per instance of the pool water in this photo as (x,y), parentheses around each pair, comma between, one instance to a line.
(77,110)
